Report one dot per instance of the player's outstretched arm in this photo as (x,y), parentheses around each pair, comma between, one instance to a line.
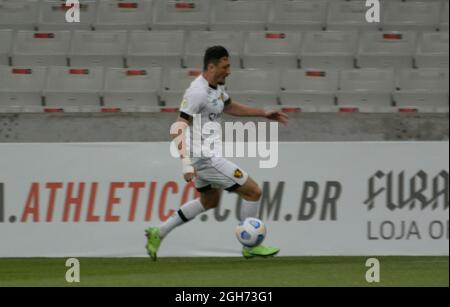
(237,109)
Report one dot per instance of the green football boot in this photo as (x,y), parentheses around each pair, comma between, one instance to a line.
(153,242)
(259,251)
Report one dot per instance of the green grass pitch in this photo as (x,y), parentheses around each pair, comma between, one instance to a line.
(235,272)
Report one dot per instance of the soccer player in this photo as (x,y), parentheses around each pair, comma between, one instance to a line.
(206,97)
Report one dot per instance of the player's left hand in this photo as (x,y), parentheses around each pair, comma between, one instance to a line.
(277,116)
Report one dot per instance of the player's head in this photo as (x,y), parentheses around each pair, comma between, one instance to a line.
(216,63)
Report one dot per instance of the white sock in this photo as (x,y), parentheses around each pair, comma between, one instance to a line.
(186,213)
(248,209)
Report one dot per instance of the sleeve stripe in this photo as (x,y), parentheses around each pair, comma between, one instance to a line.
(185,116)
(228,101)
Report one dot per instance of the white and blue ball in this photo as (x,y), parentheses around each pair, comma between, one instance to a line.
(251,232)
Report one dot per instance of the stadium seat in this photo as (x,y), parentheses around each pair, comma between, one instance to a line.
(198,41)
(349,15)
(239,15)
(123,15)
(181,15)
(6,37)
(271,49)
(125,88)
(288,15)
(73,87)
(41,48)
(21,86)
(52,15)
(403,16)
(366,88)
(18,14)
(432,50)
(444,17)
(175,83)
(386,49)
(255,87)
(422,88)
(98,48)
(155,48)
(311,89)
(329,49)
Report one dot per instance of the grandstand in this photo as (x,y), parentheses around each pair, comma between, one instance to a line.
(400,64)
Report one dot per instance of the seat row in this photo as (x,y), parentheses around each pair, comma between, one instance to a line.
(224,14)
(373,90)
(254,49)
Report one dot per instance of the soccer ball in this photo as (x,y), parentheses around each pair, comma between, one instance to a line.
(251,232)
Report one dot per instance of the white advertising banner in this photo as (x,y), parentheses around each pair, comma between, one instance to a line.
(96,200)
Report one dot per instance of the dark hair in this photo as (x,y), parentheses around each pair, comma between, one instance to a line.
(213,55)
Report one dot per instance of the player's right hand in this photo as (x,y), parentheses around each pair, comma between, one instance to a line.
(188,169)
(189,176)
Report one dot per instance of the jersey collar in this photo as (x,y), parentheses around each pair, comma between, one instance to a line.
(214,87)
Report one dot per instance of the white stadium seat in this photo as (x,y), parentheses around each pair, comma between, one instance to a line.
(309,88)
(427,87)
(366,88)
(18,14)
(329,49)
(123,15)
(198,41)
(175,83)
(155,48)
(6,37)
(52,15)
(21,86)
(256,87)
(239,15)
(126,88)
(271,49)
(181,15)
(444,16)
(41,48)
(387,49)
(288,15)
(411,15)
(98,48)
(433,50)
(349,15)
(73,87)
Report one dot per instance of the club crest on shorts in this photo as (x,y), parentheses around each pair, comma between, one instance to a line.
(238,173)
